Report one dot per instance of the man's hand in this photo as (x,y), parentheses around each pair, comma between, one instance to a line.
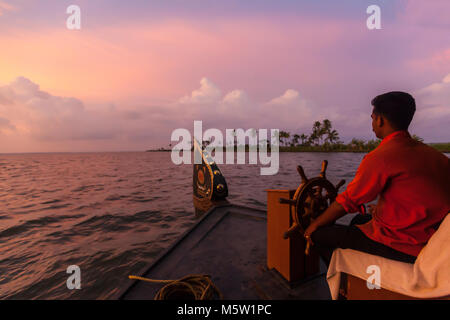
(333,212)
(309,231)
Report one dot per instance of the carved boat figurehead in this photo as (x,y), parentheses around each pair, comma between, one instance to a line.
(210,187)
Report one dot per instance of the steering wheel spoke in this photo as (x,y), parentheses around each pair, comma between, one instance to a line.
(309,202)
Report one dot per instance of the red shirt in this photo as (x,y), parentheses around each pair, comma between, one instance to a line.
(412,181)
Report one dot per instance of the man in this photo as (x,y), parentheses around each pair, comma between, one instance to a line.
(411,181)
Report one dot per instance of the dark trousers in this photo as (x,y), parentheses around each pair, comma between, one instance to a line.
(328,238)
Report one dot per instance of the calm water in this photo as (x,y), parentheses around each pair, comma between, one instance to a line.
(112,214)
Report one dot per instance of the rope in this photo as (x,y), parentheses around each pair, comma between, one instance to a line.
(191,287)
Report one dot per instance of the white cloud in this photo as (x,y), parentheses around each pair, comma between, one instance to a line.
(207,93)
(288,111)
(208,104)
(436,94)
(34,120)
(290,97)
(236,109)
(433,111)
(48,117)
(236,98)
(27,111)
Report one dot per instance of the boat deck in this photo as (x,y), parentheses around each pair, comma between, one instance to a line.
(228,243)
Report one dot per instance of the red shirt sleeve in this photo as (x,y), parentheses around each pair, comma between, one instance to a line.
(369,181)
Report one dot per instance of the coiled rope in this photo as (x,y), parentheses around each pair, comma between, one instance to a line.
(190,287)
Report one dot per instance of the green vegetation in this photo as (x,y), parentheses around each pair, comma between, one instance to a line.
(323,138)
(442,147)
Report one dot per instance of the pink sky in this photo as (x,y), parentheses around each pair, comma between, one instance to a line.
(127,85)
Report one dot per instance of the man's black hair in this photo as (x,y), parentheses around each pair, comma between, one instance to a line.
(398,107)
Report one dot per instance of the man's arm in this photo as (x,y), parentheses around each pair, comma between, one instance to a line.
(331,214)
(369,180)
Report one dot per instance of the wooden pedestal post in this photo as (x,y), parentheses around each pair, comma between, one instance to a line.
(287,256)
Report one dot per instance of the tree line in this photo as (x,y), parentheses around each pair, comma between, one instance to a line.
(322,133)
(324,138)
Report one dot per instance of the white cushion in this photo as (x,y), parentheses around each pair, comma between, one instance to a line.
(428,277)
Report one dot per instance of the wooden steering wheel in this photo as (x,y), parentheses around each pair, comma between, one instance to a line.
(310,200)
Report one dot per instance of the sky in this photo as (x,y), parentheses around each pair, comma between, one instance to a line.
(137,70)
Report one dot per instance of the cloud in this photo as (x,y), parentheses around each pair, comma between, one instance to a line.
(39,118)
(210,93)
(290,97)
(437,61)
(207,93)
(446,79)
(33,120)
(289,111)
(6,7)
(236,109)
(28,94)
(433,110)
(436,94)
(45,116)
(236,98)
(208,104)
(26,110)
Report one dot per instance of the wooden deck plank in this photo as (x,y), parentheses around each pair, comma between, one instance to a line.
(229,243)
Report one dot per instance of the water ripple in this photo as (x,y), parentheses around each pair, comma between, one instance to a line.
(112,214)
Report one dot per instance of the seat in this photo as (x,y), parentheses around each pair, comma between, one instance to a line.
(427,278)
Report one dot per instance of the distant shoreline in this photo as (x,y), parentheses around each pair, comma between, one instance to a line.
(442,147)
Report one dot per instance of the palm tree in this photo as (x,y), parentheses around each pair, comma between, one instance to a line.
(295,140)
(325,129)
(274,136)
(332,137)
(357,144)
(304,138)
(326,125)
(417,138)
(281,136)
(288,135)
(284,136)
(312,138)
(254,135)
(372,144)
(316,133)
(234,142)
